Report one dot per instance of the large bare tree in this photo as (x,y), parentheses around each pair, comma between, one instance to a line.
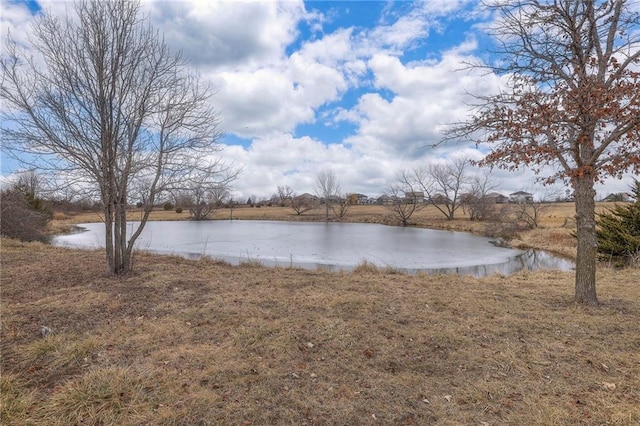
(327,188)
(571,108)
(443,184)
(104,102)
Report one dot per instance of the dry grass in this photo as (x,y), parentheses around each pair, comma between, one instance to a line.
(182,342)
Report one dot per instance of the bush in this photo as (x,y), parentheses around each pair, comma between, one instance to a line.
(38,205)
(179,210)
(23,217)
(167,206)
(619,232)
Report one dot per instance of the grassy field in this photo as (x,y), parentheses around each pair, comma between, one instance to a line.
(181,342)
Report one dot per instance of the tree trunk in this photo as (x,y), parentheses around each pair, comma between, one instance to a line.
(121,253)
(108,232)
(587,241)
(117,242)
(124,251)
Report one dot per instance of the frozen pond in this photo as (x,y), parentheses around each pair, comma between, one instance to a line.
(327,245)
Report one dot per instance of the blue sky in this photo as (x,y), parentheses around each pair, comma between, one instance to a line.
(358,87)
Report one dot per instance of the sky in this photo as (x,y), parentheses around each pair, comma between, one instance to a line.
(362,88)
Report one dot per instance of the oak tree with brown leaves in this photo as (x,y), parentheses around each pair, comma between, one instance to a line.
(571,108)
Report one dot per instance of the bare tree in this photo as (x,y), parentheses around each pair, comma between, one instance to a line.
(29,182)
(220,195)
(110,106)
(327,188)
(301,204)
(206,189)
(529,213)
(443,184)
(571,101)
(231,204)
(403,198)
(477,200)
(285,193)
(341,206)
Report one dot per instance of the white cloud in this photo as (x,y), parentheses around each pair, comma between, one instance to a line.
(424,96)
(260,102)
(268,82)
(14,19)
(285,92)
(285,160)
(255,103)
(228,34)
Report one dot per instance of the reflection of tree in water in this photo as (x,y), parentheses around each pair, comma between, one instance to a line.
(537,259)
(531,260)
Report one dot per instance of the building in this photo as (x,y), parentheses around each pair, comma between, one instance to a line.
(414,197)
(621,196)
(358,198)
(497,198)
(521,197)
(306,197)
(386,200)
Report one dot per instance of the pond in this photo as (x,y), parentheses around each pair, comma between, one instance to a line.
(332,246)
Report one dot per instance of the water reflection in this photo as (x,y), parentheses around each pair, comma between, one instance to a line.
(530,260)
(331,246)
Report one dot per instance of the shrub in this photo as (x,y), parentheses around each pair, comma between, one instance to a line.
(179,210)
(23,217)
(38,205)
(366,267)
(167,206)
(619,232)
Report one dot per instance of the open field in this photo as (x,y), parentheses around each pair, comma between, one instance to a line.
(199,342)
(180,342)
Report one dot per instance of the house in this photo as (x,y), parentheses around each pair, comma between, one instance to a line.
(490,198)
(306,197)
(439,199)
(414,197)
(466,198)
(358,199)
(334,199)
(497,198)
(386,200)
(521,197)
(621,196)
